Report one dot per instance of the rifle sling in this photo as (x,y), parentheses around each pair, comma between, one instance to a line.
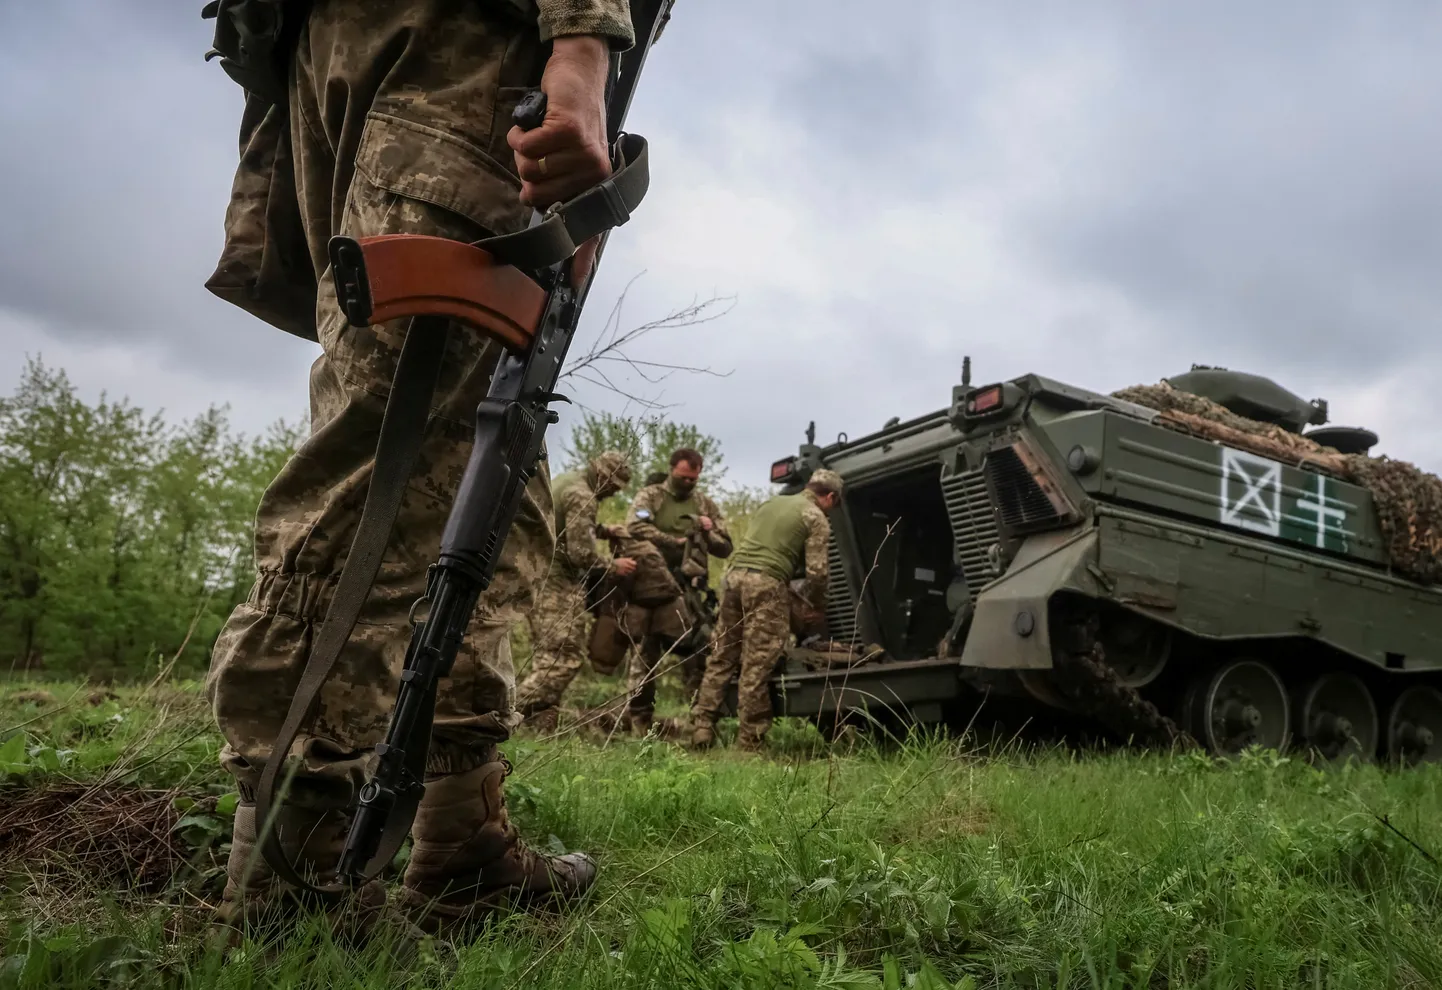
(566,226)
(402,429)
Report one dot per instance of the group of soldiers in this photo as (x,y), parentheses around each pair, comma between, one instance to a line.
(649,598)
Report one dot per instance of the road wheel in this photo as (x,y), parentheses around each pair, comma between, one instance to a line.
(1414,726)
(1337,718)
(1239,704)
(1135,647)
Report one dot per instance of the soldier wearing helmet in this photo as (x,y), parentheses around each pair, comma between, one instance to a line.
(787,536)
(558,623)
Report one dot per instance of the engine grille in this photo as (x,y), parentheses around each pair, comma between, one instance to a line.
(973,525)
(1020,500)
(840,606)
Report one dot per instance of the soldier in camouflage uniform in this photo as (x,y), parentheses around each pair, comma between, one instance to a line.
(397,119)
(685,525)
(787,535)
(559,622)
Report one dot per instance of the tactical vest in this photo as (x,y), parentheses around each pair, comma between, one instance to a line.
(671,514)
(775,542)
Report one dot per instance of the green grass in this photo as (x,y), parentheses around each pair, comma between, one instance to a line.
(921,865)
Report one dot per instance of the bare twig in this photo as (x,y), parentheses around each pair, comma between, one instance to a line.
(612,346)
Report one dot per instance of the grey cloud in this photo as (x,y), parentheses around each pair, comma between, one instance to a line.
(120,146)
(1270,180)
(1225,182)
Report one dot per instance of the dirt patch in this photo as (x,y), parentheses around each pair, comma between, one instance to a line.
(117,835)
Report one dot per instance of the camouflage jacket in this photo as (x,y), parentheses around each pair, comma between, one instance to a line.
(667,521)
(577,553)
(608,18)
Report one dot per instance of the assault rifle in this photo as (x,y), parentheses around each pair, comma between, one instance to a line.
(517,290)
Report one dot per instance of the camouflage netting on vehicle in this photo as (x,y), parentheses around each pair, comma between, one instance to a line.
(1408,499)
(830,655)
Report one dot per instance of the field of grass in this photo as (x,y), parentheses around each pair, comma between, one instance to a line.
(927,864)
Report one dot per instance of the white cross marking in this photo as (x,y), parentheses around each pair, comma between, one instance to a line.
(1325,513)
(1262,492)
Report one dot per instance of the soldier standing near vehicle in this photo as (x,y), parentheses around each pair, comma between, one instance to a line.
(559,621)
(787,535)
(667,515)
(388,118)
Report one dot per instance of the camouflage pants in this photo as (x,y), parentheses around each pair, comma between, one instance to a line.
(654,633)
(559,626)
(396,124)
(751,631)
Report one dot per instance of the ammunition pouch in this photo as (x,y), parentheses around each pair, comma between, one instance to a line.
(254,40)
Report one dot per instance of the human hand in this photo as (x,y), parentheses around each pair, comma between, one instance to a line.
(568,153)
(706,524)
(624,566)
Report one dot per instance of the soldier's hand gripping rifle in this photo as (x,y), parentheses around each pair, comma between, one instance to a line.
(516,289)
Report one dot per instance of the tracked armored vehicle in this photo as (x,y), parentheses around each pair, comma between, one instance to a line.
(1146,571)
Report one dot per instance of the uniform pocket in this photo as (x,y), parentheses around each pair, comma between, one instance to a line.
(415,178)
(436,166)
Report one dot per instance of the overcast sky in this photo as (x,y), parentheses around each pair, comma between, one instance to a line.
(1100,192)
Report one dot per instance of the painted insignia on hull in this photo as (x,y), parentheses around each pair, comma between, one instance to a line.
(1256,496)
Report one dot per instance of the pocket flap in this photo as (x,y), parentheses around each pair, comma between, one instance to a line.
(437,166)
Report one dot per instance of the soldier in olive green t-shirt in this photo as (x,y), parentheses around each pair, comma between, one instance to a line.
(787,535)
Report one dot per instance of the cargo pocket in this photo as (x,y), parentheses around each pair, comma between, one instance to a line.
(265,266)
(416,178)
(405,159)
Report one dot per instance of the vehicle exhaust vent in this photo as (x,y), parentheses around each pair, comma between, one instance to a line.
(840,606)
(973,526)
(1022,501)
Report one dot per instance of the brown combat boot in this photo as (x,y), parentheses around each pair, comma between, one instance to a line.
(313,838)
(746,742)
(543,721)
(703,734)
(641,722)
(468,860)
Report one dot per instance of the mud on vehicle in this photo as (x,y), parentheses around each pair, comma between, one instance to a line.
(1198,568)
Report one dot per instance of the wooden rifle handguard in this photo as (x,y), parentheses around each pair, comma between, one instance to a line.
(394,276)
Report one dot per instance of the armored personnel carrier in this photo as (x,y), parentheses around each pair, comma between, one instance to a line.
(1173,562)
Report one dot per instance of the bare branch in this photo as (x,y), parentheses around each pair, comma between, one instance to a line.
(611,345)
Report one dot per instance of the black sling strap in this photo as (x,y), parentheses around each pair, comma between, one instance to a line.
(402,429)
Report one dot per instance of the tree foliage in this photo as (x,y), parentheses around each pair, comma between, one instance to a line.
(647,440)
(125,540)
